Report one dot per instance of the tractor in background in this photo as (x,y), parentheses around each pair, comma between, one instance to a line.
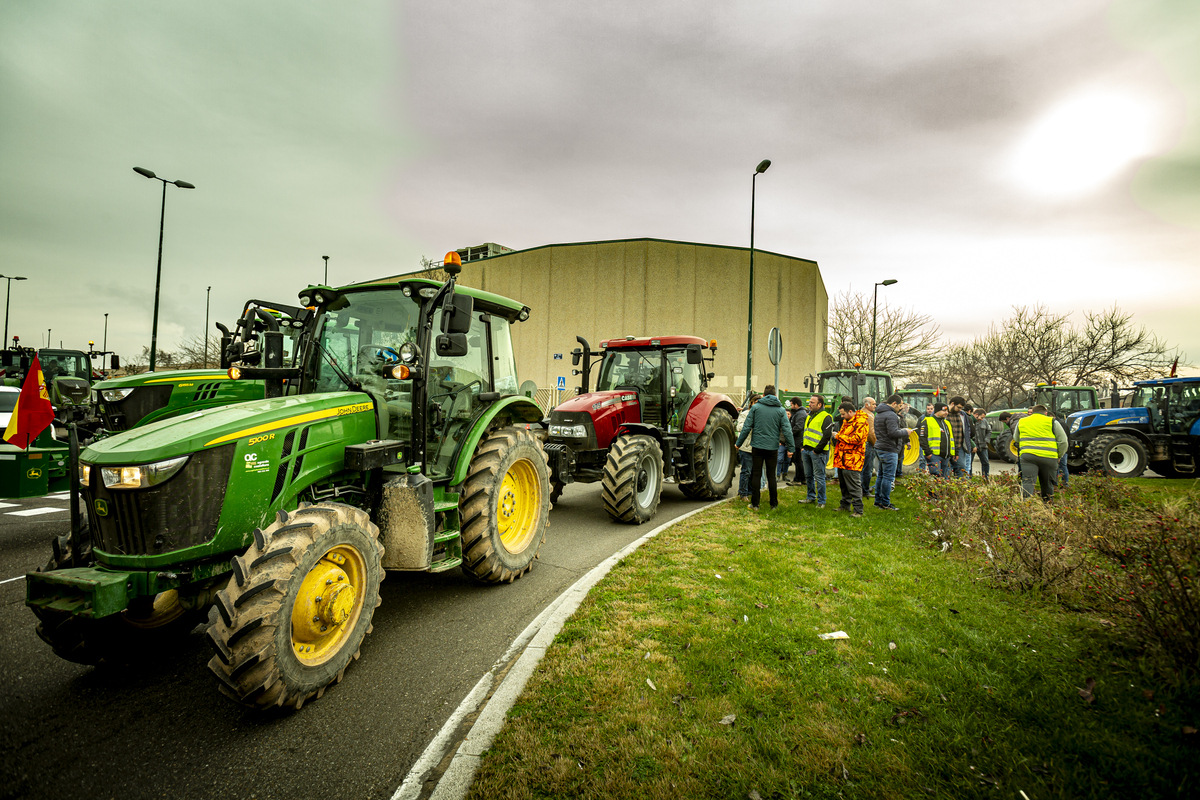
(651,417)
(1160,430)
(402,446)
(1061,401)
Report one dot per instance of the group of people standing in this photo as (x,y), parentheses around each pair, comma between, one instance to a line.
(769,437)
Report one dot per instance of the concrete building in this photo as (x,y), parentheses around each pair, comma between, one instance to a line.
(653,287)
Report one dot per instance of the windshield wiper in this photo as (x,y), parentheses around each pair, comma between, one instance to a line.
(346,379)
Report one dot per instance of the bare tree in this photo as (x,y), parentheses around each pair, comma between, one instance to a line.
(191,353)
(1111,348)
(906,343)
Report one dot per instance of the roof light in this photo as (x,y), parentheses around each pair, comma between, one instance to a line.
(234,373)
(712,345)
(524,315)
(407,291)
(429,291)
(452,258)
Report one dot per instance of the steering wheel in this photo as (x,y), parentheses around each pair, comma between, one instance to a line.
(377,353)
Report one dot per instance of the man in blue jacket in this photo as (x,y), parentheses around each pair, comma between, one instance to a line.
(767,421)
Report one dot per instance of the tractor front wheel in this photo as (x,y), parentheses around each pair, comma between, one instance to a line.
(505,506)
(633,479)
(712,459)
(1116,455)
(298,606)
(1006,447)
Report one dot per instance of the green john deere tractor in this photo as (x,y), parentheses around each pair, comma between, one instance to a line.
(405,447)
(1061,401)
(123,403)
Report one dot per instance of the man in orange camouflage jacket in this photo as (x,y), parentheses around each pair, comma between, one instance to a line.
(849,453)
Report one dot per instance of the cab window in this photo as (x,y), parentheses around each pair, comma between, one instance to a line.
(453,386)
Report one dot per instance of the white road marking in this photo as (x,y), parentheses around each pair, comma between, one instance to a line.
(9,505)
(10,580)
(32,512)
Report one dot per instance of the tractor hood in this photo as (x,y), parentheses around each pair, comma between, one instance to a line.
(213,427)
(600,414)
(162,377)
(1107,416)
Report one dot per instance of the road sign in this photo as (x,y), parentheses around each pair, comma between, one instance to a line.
(775,346)
(562,382)
(558,356)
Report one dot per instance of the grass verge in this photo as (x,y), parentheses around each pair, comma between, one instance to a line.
(695,669)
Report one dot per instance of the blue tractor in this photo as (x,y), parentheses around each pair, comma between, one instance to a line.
(1160,429)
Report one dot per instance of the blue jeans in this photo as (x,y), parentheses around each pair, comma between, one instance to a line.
(784,462)
(1064,474)
(962,467)
(868,466)
(939,466)
(814,474)
(888,463)
(745,461)
(985,461)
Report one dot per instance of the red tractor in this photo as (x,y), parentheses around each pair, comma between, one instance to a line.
(650,418)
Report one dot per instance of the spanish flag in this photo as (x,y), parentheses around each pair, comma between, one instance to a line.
(33,411)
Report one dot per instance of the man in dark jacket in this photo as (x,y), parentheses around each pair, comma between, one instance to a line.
(768,422)
(799,417)
(937,441)
(890,438)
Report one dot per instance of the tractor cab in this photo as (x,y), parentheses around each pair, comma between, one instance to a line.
(854,385)
(67,373)
(1062,401)
(667,374)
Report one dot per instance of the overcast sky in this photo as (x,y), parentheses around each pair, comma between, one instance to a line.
(984,154)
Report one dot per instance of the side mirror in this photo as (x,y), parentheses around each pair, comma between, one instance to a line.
(7,359)
(273,349)
(576,354)
(860,380)
(711,375)
(451,345)
(457,317)
(114,362)
(695,354)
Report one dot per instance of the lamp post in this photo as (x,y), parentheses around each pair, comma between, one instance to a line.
(207,295)
(104,347)
(875,313)
(158,273)
(326,270)
(48,336)
(7,295)
(760,169)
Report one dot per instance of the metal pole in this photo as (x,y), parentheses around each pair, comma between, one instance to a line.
(104,347)
(874,315)
(207,295)
(7,296)
(48,336)
(158,278)
(750,322)
(326,270)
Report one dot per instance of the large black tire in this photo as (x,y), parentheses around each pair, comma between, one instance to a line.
(1005,448)
(505,506)
(556,490)
(713,458)
(298,606)
(1117,455)
(633,479)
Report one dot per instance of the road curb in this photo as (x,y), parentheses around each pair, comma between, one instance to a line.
(528,648)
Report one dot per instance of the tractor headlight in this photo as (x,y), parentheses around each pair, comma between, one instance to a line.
(1075,424)
(115,395)
(143,475)
(85,474)
(408,352)
(569,431)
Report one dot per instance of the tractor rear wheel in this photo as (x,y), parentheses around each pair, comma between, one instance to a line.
(633,479)
(505,506)
(712,459)
(1116,455)
(298,606)
(910,455)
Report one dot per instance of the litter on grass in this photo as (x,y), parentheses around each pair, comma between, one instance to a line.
(834,635)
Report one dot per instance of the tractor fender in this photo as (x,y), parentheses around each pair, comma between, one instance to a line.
(519,408)
(641,429)
(702,408)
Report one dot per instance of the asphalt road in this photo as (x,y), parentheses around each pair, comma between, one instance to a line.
(163,730)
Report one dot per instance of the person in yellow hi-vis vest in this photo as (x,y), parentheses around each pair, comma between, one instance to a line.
(1041,441)
(937,441)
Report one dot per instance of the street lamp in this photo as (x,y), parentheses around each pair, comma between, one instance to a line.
(760,169)
(875,313)
(104,347)
(326,270)
(158,274)
(7,294)
(207,295)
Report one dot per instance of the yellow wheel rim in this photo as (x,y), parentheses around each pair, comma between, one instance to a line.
(328,604)
(165,610)
(1012,448)
(911,449)
(519,506)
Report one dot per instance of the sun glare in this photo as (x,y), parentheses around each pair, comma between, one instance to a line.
(1082,143)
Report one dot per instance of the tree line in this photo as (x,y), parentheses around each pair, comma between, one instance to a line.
(1033,345)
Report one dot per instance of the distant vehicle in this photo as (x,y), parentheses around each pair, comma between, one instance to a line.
(1061,401)
(8,402)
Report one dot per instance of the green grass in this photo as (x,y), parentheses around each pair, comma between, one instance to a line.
(978,697)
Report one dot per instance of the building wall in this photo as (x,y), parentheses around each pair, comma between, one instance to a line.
(651,287)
